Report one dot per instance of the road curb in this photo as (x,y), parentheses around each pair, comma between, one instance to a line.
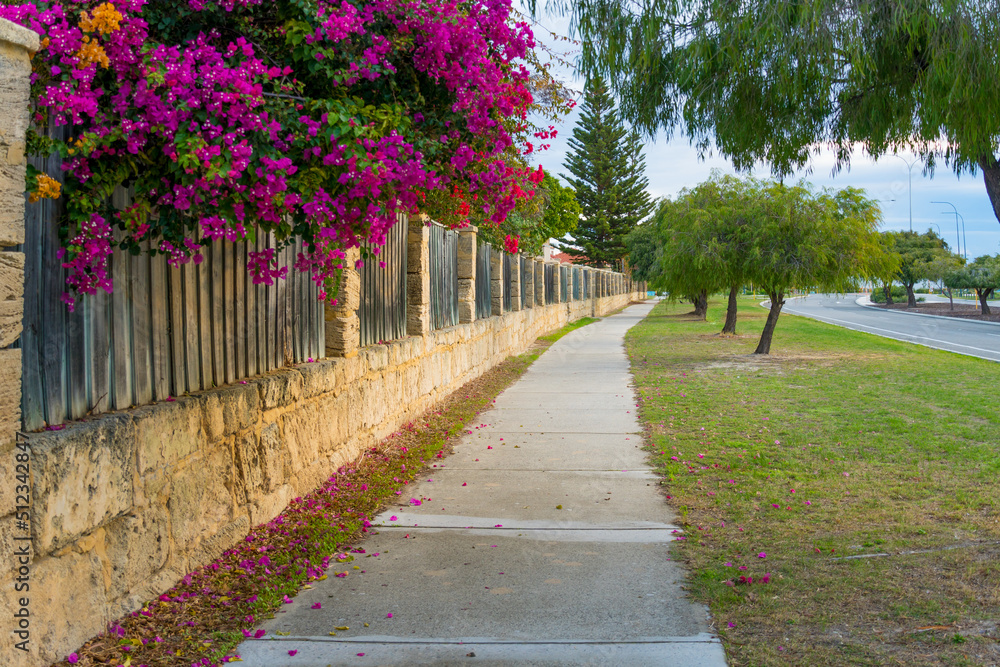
(866,302)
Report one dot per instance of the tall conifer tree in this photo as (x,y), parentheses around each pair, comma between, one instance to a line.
(608,170)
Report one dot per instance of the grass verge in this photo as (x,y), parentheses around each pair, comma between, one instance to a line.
(839,497)
(201,620)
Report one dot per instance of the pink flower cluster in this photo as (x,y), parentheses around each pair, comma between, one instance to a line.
(315,129)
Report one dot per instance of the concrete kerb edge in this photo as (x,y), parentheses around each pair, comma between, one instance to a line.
(865,301)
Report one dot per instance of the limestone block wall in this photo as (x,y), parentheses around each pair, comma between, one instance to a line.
(126,503)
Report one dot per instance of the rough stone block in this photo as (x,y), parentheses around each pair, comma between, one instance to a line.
(11,202)
(467,245)
(200,500)
(271,505)
(223,538)
(418,289)
(418,320)
(318,426)
(466,311)
(137,547)
(68,603)
(10,397)
(11,275)
(343,336)
(8,483)
(83,478)
(167,432)
(418,259)
(259,464)
(466,290)
(230,409)
(321,377)
(17,43)
(280,389)
(376,357)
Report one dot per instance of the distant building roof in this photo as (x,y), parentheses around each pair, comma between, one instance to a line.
(565,257)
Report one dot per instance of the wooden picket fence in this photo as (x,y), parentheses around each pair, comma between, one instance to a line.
(163,332)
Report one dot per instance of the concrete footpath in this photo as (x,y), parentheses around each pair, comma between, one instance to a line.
(541,541)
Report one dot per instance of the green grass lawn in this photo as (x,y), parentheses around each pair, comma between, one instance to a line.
(839,444)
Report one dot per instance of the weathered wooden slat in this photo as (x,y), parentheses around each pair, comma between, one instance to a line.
(253,318)
(312,297)
(192,330)
(291,309)
(283,341)
(99,355)
(76,360)
(52,310)
(294,310)
(178,355)
(205,317)
(142,361)
(239,307)
(272,315)
(33,401)
(218,313)
(160,326)
(295,321)
(229,311)
(304,320)
(279,315)
(121,330)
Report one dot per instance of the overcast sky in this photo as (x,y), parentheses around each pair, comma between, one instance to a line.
(673,165)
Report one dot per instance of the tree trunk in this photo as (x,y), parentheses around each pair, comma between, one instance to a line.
(730,325)
(700,301)
(951,299)
(764,345)
(991,176)
(887,290)
(911,298)
(984,295)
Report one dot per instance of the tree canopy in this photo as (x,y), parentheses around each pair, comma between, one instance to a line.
(645,253)
(551,213)
(773,82)
(608,174)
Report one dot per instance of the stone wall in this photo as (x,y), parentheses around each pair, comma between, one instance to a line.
(16,46)
(127,503)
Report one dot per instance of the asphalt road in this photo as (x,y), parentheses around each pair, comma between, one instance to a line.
(975,339)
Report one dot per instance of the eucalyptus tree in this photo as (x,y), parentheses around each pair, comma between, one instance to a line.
(686,269)
(941,267)
(804,238)
(773,81)
(917,254)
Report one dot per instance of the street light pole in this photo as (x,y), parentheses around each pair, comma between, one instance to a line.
(958,236)
(965,244)
(909,176)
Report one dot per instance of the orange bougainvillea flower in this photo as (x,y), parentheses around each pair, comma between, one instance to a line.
(104,20)
(48,188)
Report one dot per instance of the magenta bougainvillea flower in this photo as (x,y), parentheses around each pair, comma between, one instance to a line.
(235,119)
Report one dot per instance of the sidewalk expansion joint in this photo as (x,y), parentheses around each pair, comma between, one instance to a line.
(696,639)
